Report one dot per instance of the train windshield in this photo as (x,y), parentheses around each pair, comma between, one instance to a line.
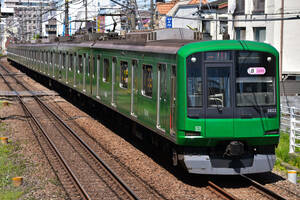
(255,79)
(213,78)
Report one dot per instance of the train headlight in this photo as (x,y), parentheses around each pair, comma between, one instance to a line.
(193,59)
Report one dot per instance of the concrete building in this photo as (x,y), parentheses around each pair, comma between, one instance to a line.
(77,13)
(186,14)
(259,20)
(27,16)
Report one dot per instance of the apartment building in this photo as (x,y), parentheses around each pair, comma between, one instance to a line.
(28,17)
(271,21)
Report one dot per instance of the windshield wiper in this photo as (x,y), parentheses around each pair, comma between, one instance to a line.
(258,108)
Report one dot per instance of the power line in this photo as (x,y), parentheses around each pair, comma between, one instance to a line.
(238,20)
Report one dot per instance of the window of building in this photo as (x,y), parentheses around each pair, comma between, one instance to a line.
(258,6)
(147,80)
(240,33)
(105,70)
(223,25)
(124,74)
(260,34)
(205,26)
(240,7)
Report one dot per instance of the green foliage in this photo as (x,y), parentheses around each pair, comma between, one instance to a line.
(10,195)
(36,36)
(282,151)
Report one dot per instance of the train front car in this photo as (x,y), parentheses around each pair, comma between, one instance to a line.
(228,113)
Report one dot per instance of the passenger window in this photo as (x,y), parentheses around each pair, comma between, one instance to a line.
(87,64)
(56,59)
(124,74)
(46,57)
(63,60)
(98,67)
(80,64)
(94,66)
(51,57)
(147,80)
(105,70)
(70,62)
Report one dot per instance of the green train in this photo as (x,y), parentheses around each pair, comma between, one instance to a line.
(216,103)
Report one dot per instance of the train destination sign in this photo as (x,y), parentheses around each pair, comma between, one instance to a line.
(256,70)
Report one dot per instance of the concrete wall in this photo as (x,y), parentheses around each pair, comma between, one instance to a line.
(291,101)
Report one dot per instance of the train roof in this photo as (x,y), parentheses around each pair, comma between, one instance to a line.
(157,46)
(172,47)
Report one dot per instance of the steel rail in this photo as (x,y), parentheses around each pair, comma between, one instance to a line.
(106,167)
(102,162)
(267,191)
(221,192)
(79,186)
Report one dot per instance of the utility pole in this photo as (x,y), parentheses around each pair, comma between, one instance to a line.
(41,19)
(67,18)
(86,16)
(152,15)
(133,14)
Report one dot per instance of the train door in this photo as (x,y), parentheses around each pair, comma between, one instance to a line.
(218,99)
(162,103)
(134,88)
(172,100)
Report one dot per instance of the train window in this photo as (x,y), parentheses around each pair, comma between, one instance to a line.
(124,74)
(46,57)
(51,57)
(94,67)
(147,80)
(63,63)
(218,87)
(80,64)
(105,70)
(255,79)
(70,62)
(194,81)
(87,64)
(163,81)
(57,59)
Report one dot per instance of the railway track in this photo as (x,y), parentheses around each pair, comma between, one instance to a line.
(88,177)
(252,186)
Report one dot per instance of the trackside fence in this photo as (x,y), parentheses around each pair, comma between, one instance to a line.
(290,122)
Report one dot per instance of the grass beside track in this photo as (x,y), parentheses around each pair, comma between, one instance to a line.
(282,154)
(10,166)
